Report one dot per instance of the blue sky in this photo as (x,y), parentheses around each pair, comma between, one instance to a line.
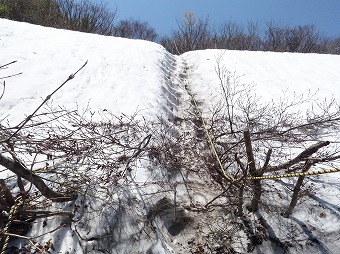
(162,14)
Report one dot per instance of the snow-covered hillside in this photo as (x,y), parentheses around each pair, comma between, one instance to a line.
(128,77)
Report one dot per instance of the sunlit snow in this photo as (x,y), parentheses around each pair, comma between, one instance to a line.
(126,77)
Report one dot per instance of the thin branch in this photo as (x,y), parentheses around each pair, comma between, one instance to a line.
(219,195)
(326,159)
(45,214)
(268,155)
(241,165)
(309,124)
(2,66)
(12,75)
(3,91)
(46,99)
(28,239)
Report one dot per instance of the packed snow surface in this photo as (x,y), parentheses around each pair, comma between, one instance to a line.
(126,77)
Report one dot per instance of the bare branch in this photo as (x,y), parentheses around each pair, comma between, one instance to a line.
(2,66)
(241,165)
(12,75)
(34,245)
(302,156)
(17,168)
(3,91)
(268,155)
(46,99)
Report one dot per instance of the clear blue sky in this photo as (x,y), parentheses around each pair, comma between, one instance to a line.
(162,14)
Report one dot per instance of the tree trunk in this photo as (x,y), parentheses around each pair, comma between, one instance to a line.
(296,190)
(241,188)
(254,204)
(9,200)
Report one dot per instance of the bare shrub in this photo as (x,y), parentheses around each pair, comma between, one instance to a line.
(86,16)
(135,29)
(192,34)
(41,12)
(303,39)
(234,37)
(197,33)
(58,155)
(272,128)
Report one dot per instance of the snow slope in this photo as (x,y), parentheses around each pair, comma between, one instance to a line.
(58,53)
(272,73)
(128,76)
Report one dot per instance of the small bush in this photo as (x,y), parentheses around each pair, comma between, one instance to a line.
(41,12)
(4,11)
(135,29)
(86,16)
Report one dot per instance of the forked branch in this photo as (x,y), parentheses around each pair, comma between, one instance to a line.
(21,125)
(301,157)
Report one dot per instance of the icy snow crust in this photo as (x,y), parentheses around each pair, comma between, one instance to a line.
(128,76)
